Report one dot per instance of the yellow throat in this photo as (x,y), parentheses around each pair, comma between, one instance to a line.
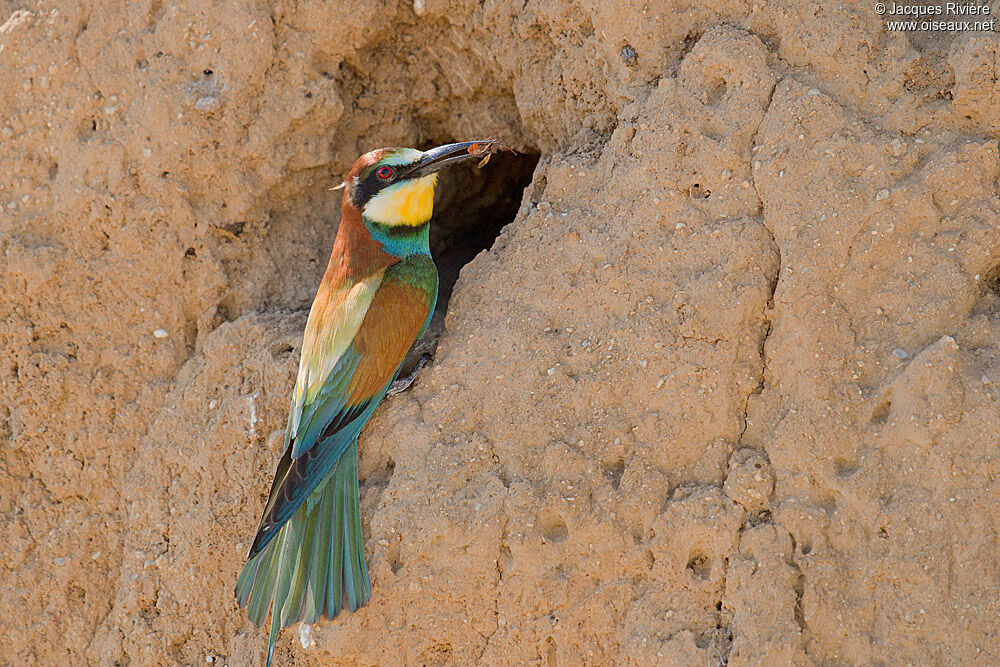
(408,203)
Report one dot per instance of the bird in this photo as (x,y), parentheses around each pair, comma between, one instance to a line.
(375,300)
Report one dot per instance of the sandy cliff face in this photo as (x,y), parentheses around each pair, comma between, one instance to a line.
(725,389)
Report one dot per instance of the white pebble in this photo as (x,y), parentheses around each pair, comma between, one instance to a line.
(160,333)
(882,194)
(900,353)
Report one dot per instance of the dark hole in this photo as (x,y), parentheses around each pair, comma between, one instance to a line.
(700,566)
(393,556)
(614,472)
(233,229)
(881,412)
(208,72)
(991,282)
(718,642)
(843,467)
(690,40)
(471,207)
(280,349)
(716,91)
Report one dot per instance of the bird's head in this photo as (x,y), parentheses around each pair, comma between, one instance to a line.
(394,187)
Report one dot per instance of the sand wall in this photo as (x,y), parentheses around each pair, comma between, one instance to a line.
(725,389)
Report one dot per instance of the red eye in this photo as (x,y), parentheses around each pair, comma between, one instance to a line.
(385,173)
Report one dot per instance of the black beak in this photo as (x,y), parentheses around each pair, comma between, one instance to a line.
(442,156)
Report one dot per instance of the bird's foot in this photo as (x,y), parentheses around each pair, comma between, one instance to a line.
(402,384)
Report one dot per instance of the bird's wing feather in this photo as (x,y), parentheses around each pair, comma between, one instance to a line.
(334,319)
(326,362)
(330,415)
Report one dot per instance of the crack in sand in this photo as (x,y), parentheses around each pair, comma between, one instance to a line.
(500,572)
(773,279)
(800,576)
(767,330)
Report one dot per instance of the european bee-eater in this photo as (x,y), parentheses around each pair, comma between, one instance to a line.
(376,298)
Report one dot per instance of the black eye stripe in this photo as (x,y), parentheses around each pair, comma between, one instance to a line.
(369,182)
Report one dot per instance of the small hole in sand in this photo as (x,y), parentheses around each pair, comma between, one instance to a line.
(392,555)
(881,412)
(700,566)
(991,282)
(715,91)
(614,472)
(843,467)
(553,526)
(279,350)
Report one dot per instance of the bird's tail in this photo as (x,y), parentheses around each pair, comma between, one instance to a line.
(315,565)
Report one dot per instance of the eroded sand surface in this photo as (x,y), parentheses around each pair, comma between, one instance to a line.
(726,389)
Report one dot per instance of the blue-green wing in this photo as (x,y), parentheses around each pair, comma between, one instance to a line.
(328,421)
